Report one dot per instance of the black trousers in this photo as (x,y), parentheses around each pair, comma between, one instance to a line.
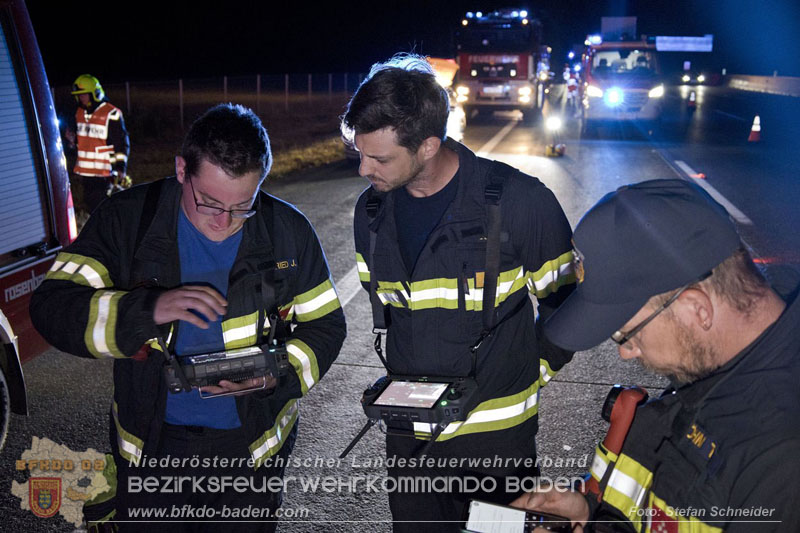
(432,496)
(88,191)
(213,490)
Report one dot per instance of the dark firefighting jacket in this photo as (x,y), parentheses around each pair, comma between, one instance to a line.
(435,311)
(719,454)
(98,299)
(102,141)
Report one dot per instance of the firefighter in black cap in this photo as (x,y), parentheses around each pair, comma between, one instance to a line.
(663,273)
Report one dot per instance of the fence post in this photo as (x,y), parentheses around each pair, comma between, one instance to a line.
(286,92)
(330,88)
(128,97)
(258,93)
(224,88)
(309,89)
(180,99)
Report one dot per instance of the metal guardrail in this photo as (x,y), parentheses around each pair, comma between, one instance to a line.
(782,85)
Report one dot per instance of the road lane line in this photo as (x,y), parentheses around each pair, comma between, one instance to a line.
(348,286)
(494,141)
(732,209)
(735,117)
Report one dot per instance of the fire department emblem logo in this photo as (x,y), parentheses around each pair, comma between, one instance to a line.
(45,496)
(661,522)
(577,261)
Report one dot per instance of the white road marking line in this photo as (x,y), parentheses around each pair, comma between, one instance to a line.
(348,286)
(494,141)
(732,209)
(730,115)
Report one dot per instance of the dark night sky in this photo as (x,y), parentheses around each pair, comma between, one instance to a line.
(161,40)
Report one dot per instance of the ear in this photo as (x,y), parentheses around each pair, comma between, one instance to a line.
(429,148)
(180,169)
(698,308)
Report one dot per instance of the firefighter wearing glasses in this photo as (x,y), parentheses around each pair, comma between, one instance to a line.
(101,141)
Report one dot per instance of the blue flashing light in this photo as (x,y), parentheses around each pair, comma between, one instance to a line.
(571,55)
(613,97)
(577,68)
(523,13)
(515,14)
(479,14)
(470,14)
(595,39)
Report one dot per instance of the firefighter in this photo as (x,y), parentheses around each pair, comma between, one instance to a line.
(102,144)
(191,265)
(663,273)
(421,239)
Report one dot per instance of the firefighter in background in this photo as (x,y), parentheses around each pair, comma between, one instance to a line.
(102,144)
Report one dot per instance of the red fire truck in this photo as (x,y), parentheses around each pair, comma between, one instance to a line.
(36,213)
(502,62)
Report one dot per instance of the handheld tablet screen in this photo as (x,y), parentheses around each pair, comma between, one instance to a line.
(411,394)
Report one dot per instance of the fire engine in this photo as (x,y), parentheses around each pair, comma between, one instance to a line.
(502,63)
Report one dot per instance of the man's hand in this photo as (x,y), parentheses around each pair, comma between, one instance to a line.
(178,304)
(571,505)
(224,386)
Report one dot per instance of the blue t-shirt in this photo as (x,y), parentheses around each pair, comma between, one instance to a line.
(203,262)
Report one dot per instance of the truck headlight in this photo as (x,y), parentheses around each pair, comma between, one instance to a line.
(613,97)
(462,90)
(686,78)
(524,91)
(701,78)
(656,92)
(593,91)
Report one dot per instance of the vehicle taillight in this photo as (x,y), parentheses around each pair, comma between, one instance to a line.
(73,224)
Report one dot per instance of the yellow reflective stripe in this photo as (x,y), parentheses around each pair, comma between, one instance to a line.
(689,524)
(81,270)
(240,332)
(602,459)
(286,312)
(363,269)
(304,362)
(130,446)
(545,372)
(316,303)
(272,439)
(627,487)
(491,415)
(552,275)
(442,293)
(101,328)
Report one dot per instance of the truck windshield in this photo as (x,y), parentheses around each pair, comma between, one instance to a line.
(488,38)
(627,63)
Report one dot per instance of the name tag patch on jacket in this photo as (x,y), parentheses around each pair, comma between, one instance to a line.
(284,264)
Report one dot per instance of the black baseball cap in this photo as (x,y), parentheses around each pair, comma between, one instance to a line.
(638,241)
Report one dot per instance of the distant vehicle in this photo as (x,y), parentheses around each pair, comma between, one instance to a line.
(503,64)
(622,82)
(693,78)
(446,70)
(36,215)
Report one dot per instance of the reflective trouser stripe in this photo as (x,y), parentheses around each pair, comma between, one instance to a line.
(271,441)
(130,446)
(491,415)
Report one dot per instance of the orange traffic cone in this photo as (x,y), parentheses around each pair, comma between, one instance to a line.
(755,131)
(692,99)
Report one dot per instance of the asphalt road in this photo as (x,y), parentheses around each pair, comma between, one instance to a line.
(69,397)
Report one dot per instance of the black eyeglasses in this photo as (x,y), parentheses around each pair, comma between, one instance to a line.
(621,337)
(214,211)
